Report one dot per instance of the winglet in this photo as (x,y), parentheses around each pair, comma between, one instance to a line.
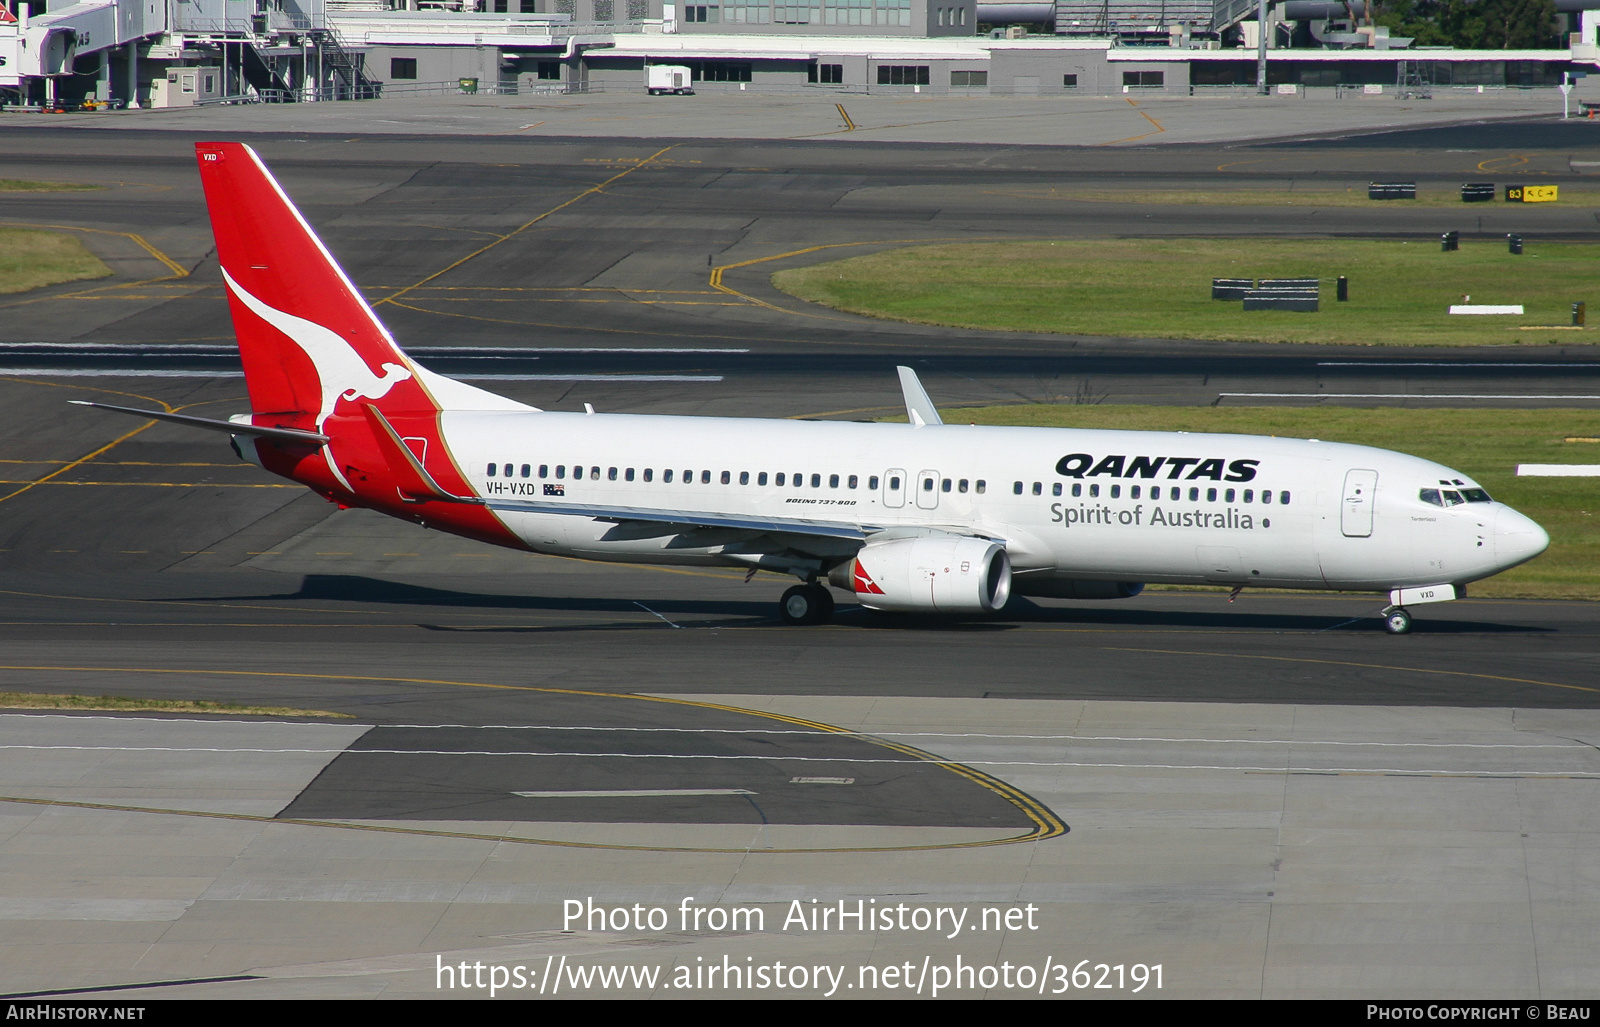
(918,406)
(414,482)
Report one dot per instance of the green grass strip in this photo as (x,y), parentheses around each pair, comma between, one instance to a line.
(1400,291)
(117,703)
(30,259)
(22,185)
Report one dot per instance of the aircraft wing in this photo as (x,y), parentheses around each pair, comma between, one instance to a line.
(691,518)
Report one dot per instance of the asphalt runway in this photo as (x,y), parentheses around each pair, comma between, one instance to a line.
(668,710)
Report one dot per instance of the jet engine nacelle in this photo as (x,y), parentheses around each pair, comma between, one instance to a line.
(929,574)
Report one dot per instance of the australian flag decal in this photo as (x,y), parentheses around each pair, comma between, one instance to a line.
(551,489)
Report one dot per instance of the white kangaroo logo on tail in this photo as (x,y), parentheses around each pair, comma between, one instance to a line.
(340,370)
(341,373)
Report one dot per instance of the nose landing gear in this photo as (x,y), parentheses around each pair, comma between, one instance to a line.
(810,603)
(1396,621)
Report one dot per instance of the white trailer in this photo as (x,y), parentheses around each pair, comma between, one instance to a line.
(667,78)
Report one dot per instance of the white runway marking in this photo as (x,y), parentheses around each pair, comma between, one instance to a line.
(629,793)
(587,377)
(1439,363)
(106,372)
(1153,739)
(971,761)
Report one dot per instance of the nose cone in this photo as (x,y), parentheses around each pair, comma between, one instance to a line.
(1516,538)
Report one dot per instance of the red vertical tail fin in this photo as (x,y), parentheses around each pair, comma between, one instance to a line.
(306,336)
(308,340)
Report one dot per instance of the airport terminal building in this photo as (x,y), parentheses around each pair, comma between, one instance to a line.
(164,53)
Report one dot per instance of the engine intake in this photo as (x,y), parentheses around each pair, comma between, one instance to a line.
(928,574)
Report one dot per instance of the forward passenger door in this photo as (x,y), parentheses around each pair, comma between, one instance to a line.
(1355,509)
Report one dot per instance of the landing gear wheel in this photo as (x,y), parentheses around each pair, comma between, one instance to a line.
(1397,621)
(806,604)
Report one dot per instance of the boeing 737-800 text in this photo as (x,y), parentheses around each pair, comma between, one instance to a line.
(919,517)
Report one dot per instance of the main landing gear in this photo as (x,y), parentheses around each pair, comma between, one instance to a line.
(810,603)
(1396,621)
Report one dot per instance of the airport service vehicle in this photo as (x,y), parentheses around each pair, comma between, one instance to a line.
(922,517)
(668,78)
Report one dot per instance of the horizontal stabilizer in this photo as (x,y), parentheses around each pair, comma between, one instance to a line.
(210,424)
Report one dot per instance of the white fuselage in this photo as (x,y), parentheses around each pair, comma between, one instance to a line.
(1075,504)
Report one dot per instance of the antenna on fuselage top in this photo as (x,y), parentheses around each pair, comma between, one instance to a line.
(919,408)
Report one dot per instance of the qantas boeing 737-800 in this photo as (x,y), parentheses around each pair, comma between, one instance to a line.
(907,517)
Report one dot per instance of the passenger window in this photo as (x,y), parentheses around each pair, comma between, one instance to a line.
(872,483)
(705,477)
(833,481)
(666,476)
(894,484)
(594,473)
(561,470)
(945,485)
(649,473)
(1077,489)
(1194,495)
(1055,490)
(508,470)
(544,470)
(797,479)
(1094,491)
(527,470)
(628,474)
(611,475)
(1228,496)
(1249,495)
(780,478)
(761,479)
(982,486)
(816,481)
(1134,492)
(1211,495)
(744,477)
(491,469)
(961,486)
(1283,499)
(1016,487)
(1266,496)
(852,481)
(1116,492)
(727,477)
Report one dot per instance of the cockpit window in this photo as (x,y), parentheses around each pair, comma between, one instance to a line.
(1451,497)
(1430,496)
(1476,496)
